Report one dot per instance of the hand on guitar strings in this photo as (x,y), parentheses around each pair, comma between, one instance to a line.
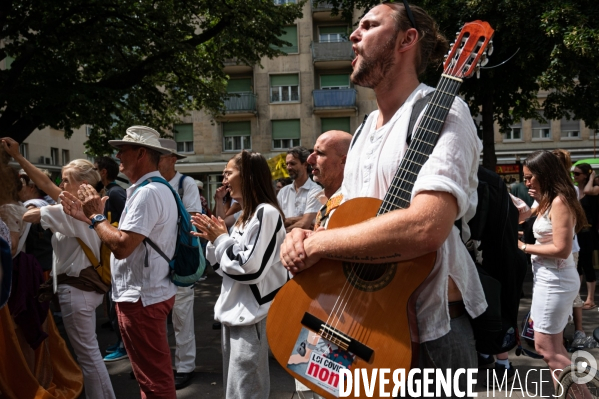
(208,228)
(294,254)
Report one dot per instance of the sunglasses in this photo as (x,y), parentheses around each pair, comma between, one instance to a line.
(576,173)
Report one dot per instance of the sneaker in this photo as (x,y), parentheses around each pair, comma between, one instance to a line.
(112,348)
(578,340)
(118,354)
(485,362)
(500,371)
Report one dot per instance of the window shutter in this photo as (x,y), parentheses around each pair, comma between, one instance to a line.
(342,124)
(289,35)
(286,129)
(570,125)
(334,80)
(239,85)
(237,129)
(183,132)
(536,124)
(324,30)
(284,80)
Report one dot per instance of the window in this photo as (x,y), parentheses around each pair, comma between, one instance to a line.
(8,62)
(237,136)
(284,88)
(342,124)
(515,133)
(66,158)
(570,129)
(239,85)
(54,156)
(88,131)
(332,34)
(285,134)
(24,150)
(541,130)
(184,137)
(289,35)
(332,82)
(281,2)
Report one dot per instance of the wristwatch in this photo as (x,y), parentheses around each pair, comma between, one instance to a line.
(96,219)
(523,248)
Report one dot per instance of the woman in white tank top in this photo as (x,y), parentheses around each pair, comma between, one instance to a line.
(555,277)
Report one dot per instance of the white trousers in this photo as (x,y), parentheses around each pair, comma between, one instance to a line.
(79,317)
(185,352)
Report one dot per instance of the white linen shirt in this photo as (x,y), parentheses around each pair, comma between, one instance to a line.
(152,212)
(452,167)
(191,194)
(297,203)
(68,257)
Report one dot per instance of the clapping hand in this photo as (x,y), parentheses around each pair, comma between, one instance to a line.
(208,228)
(73,207)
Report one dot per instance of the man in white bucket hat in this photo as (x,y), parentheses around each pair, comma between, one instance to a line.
(183,324)
(144,296)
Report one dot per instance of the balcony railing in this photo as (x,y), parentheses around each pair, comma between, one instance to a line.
(241,102)
(340,51)
(339,98)
(321,6)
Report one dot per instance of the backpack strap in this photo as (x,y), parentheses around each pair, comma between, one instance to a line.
(181,190)
(358,132)
(89,253)
(416,111)
(147,240)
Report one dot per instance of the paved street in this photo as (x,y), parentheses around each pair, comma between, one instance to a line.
(208,373)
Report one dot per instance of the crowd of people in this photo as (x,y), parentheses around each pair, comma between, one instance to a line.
(261,233)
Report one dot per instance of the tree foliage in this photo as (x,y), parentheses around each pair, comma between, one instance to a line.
(538,44)
(115,63)
(574,67)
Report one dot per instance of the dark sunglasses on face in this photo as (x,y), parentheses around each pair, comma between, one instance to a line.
(576,173)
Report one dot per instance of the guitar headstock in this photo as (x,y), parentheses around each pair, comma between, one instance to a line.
(469,51)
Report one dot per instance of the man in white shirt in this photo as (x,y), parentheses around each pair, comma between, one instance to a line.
(391,51)
(141,284)
(299,201)
(185,350)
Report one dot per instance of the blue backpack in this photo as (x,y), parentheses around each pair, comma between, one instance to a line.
(188,262)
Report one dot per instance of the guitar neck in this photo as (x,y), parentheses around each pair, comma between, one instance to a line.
(423,141)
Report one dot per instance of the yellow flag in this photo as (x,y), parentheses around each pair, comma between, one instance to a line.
(278,168)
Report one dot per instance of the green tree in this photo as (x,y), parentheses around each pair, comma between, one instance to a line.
(507,88)
(573,71)
(115,63)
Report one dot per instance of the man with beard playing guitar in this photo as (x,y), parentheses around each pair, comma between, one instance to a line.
(393,45)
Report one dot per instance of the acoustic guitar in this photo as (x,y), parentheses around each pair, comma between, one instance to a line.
(337,314)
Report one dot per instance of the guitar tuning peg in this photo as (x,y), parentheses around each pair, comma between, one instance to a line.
(490,48)
(484,60)
(478,72)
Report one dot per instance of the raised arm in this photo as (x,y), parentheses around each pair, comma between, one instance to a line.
(590,189)
(36,175)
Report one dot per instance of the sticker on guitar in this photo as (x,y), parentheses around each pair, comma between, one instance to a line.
(319,360)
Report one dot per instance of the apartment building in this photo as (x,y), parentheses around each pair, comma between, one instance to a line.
(530,135)
(290,101)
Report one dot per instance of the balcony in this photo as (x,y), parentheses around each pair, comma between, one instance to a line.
(234,66)
(321,11)
(335,55)
(241,103)
(334,101)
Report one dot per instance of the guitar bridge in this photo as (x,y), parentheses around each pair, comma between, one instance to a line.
(338,338)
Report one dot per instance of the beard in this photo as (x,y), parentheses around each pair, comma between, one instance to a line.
(292,174)
(374,66)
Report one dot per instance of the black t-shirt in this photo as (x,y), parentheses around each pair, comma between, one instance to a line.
(116,201)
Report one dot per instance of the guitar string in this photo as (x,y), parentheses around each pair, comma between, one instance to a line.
(349,286)
(345,298)
(428,122)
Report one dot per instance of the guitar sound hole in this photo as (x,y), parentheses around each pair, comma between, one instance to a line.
(368,277)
